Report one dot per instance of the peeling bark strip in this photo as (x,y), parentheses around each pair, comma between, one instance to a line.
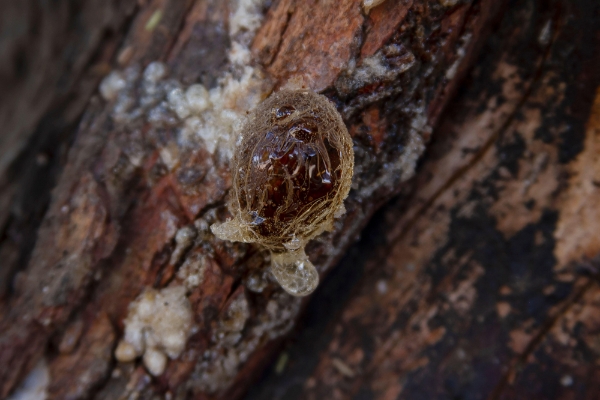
(484,283)
(148,173)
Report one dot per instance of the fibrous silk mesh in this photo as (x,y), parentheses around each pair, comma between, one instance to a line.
(291,173)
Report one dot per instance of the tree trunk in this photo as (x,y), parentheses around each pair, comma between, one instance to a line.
(477,279)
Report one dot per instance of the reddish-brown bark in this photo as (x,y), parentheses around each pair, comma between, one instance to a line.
(481,275)
(481,282)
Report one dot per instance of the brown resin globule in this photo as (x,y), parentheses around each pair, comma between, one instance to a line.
(291,173)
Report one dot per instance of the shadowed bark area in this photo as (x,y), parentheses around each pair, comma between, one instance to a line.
(479,282)
(476,280)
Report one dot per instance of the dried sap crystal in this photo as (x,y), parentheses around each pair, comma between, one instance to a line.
(291,173)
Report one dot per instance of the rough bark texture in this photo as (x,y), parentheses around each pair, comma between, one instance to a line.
(478,280)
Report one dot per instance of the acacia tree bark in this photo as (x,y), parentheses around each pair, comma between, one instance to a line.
(481,279)
(473,285)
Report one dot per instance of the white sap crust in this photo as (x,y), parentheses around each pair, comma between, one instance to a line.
(202,117)
(461,52)
(192,271)
(374,69)
(158,325)
(246,16)
(138,100)
(220,362)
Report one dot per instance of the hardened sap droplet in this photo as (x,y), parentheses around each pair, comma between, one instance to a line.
(294,272)
(291,171)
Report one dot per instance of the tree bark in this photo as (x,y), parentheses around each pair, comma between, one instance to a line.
(477,280)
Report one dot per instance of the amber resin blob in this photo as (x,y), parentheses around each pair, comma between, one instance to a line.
(291,174)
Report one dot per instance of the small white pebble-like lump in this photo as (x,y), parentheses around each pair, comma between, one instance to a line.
(155,361)
(197,98)
(111,85)
(178,103)
(155,71)
(183,240)
(125,352)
